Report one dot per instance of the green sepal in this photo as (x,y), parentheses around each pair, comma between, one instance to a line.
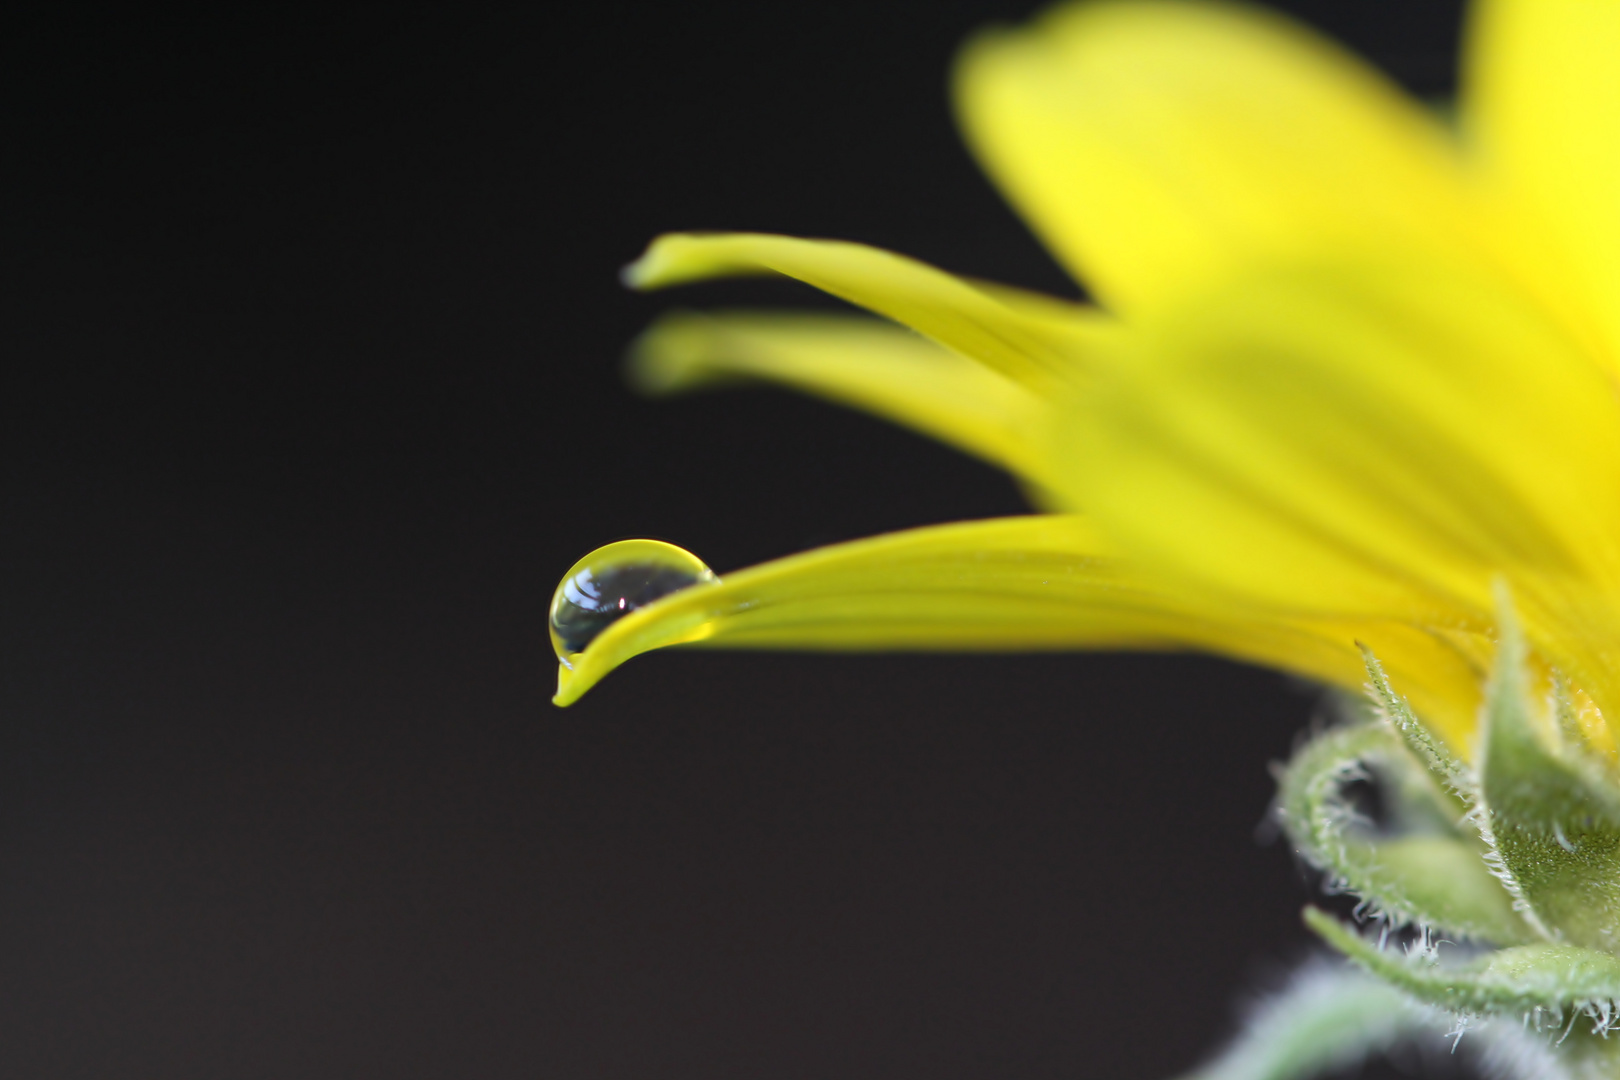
(1435,878)
(1569,725)
(1544,984)
(1328,1019)
(1434,753)
(1552,821)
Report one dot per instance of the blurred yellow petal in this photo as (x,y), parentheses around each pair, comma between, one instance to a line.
(1378,439)
(1038,341)
(1023,583)
(856,361)
(1153,145)
(1362,371)
(1542,99)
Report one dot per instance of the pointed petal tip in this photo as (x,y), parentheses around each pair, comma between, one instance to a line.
(659,265)
(570,688)
(634,275)
(668,355)
(677,258)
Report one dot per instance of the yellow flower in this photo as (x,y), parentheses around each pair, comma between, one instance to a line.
(1351,366)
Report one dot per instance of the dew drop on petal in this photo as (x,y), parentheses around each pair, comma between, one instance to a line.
(613,581)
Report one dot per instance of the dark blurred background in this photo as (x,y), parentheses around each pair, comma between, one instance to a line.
(310,393)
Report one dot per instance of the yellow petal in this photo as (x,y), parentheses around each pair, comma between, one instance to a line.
(856,361)
(1023,583)
(1543,100)
(1361,440)
(1152,145)
(1035,340)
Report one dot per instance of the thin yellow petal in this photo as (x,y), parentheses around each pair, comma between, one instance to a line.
(1366,440)
(1152,145)
(1543,101)
(1024,583)
(1037,341)
(853,360)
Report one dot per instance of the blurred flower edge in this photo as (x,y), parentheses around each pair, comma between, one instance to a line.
(1345,406)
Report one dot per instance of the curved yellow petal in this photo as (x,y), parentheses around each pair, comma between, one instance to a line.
(1365,440)
(1023,583)
(1038,341)
(1152,145)
(1543,101)
(853,360)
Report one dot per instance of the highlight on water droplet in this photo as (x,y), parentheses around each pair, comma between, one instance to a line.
(613,581)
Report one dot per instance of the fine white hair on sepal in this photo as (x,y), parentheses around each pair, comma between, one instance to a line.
(1328,1017)
(1508,1051)
(1460,1024)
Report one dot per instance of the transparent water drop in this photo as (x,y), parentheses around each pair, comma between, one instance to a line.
(613,581)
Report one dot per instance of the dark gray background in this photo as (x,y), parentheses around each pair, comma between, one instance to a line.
(310,394)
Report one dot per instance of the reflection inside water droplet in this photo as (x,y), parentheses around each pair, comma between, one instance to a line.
(613,581)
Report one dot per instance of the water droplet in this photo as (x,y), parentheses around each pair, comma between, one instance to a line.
(613,581)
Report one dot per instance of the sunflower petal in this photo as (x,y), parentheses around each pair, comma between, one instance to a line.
(857,361)
(1023,583)
(1035,340)
(1153,145)
(1365,439)
(1543,101)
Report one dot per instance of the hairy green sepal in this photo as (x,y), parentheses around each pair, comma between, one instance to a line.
(1327,1019)
(1433,875)
(1552,819)
(1543,984)
(1520,850)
